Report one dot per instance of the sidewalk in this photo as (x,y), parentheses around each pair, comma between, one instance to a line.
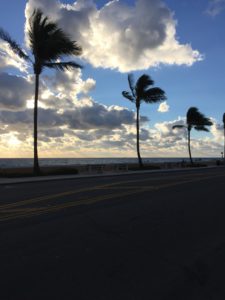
(7,181)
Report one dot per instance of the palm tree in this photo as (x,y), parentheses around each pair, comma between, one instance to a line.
(194,119)
(48,44)
(224,137)
(142,91)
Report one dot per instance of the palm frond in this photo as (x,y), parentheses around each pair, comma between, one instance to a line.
(131,83)
(201,128)
(196,118)
(192,115)
(128,96)
(47,41)
(13,44)
(207,121)
(153,95)
(142,84)
(63,65)
(178,126)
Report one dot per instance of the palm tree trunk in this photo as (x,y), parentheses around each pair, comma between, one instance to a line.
(36,168)
(138,147)
(189,145)
(224,146)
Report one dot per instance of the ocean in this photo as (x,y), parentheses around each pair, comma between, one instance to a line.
(28,162)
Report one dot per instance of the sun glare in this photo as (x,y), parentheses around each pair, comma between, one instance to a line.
(30,104)
(13,141)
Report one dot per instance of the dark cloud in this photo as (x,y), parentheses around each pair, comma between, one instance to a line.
(99,116)
(16,117)
(47,118)
(83,117)
(53,133)
(14,91)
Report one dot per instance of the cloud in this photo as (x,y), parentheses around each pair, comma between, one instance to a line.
(63,134)
(65,85)
(89,114)
(121,36)
(165,130)
(66,112)
(88,121)
(9,59)
(173,142)
(85,115)
(217,131)
(163,107)
(215,7)
(14,91)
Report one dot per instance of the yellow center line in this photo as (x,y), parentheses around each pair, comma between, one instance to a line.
(49,197)
(21,210)
(73,192)
(43,210)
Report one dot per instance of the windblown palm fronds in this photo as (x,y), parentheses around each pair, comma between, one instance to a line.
(142,91)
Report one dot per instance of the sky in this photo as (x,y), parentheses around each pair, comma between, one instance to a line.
(82,113)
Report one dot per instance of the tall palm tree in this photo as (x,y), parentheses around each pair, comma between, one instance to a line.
(48,44)
(224,137)
(142,91)
(194,119)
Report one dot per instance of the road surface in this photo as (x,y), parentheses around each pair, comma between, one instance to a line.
(146,236)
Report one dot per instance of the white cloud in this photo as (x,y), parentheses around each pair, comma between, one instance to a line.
(61,90)
(217,131)
(173,142)
(215,7)
(121,36)
(163,107)
(166,128)
(9,59)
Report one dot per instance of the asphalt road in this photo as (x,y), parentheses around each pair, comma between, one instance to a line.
(149,236)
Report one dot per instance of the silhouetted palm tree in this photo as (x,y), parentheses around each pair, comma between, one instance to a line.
(194,119)
(48,44)
(224,138)
(141,91)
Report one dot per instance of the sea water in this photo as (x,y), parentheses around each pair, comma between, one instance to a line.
(28,162)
